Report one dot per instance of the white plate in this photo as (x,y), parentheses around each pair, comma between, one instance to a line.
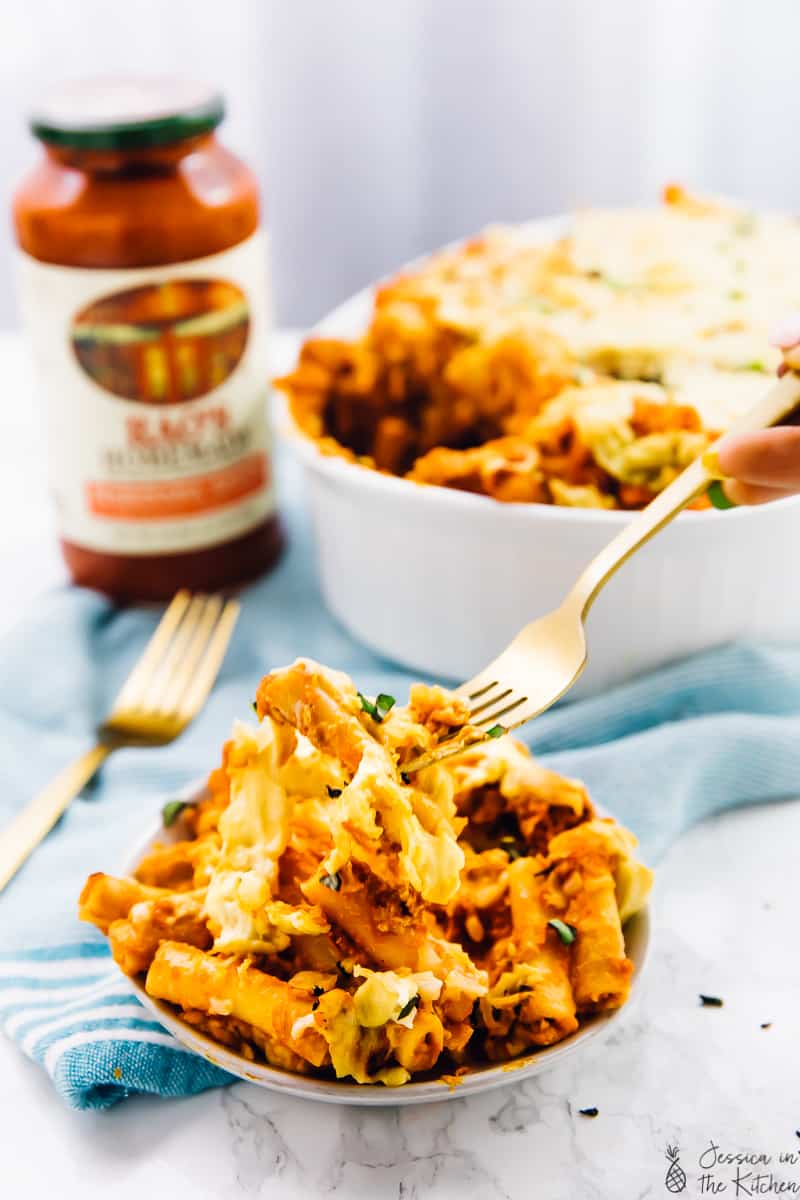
(481,1079)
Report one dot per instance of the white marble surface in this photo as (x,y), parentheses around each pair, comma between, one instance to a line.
(672,1072)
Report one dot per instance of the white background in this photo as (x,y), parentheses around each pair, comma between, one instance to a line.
(382,129)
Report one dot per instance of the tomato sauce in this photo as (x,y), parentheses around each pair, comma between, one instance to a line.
(143,282)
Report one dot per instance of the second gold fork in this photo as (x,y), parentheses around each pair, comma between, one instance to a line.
(163,693)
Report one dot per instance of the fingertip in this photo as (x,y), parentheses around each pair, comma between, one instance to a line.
(786,333)
(734,493)
(725,455)
(739,494)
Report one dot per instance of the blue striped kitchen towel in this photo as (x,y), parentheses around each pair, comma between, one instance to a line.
(67,1008)
(715,731)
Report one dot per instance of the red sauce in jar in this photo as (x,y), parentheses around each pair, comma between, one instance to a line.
(144,283)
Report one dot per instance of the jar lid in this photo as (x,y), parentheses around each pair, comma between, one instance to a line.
(126,113)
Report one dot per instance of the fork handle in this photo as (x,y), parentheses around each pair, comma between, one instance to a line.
(780,403)
(32,825)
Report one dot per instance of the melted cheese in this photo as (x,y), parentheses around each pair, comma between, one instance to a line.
(385,994)
(431,860)
(685,294)
(254,830)
(602,416)
(351,1047)
(509,764)
(632,879)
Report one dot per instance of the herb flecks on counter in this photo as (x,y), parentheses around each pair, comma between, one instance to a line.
(589,1112)
(711,1001)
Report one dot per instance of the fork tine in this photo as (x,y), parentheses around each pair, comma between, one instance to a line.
(473,694)
(489,700)
(152,700)
(208,669)
(139,677)
(483,682)
(185,668)
(493,717)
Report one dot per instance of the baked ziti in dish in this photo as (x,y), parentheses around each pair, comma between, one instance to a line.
(585,371)
(331,915)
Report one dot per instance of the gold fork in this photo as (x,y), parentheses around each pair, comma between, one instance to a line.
(547,656)
(163,693)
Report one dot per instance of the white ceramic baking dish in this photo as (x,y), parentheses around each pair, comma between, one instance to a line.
(440,580)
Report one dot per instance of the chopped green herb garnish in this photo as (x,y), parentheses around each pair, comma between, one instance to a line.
(766,1024)
(608,280)
(509,844)
(589,1112)
(755,365)
(317,990)
(496,731)
(333,792)
(383,704)
(745,225)
(405,778)
(171,811)
(566,932)
(314,1005)
(710,1001)
(408,1008)
(718,497)
(334,881)
(254,706)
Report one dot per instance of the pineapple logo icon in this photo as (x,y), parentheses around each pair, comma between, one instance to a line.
(675,1179)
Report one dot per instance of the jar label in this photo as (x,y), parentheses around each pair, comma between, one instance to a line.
(155,391)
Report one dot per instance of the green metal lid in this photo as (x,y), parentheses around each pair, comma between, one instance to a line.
(126,113)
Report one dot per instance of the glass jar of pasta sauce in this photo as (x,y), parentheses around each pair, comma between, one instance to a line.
(144,291)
